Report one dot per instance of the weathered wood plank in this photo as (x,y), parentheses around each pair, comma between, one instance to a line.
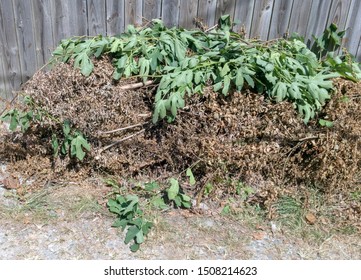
(152,9)
(187,13)
(207,11)
(280,18)
(25,37)
(243,13)
(261,19)
(11,57)
(96,17)
(133,12)
(300,16)
(115,17)
(4,87)
(339,12)
(318,18)
(69,18)
(358,54)
(43,34)
(353,26)
(170,12)
(77,17)
(225,7)
(59,24)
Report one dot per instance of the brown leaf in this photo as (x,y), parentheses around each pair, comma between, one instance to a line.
(310,218)
(11,182)
(259,235)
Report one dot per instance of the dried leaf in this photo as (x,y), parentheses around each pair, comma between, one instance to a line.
(259,235)
(310,218)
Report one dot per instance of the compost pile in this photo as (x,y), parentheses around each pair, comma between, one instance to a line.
(242,136)
(239,136)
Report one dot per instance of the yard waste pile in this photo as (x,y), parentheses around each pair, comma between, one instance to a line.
(242,135)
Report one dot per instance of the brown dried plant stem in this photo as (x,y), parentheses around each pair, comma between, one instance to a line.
(122,128)
(136,85)
(308,138)
(121,140)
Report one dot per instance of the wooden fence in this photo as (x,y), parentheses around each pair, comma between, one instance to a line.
(30,29)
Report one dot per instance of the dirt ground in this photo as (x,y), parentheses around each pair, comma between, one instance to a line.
(66,222)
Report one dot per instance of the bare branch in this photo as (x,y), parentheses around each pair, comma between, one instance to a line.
(211,28)
(119,141)
(121,129)
(136,85)
(308,138)
(144,115)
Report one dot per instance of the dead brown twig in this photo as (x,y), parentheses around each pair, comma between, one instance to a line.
(211,28)
(308,138)
(136,85)
(119,141)
(122,128)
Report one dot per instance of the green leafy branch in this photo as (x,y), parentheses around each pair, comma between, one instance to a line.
(21,117)
(182,62)
(130,216)
(74,143)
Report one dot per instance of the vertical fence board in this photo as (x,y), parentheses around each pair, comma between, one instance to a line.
(115,17)
(10,46)
(152,9)
(261,18)
(59,23)
(207,11)
(133,12)
(96,17)
(187,13)
(225,7)
(69,19)
(25,38)
(353,24)
(358,54)
(4,87)
(280,18)
(77,17)
(318,18)
(243,13)
(170,12)
(338,13)
(300,16)
(43,32)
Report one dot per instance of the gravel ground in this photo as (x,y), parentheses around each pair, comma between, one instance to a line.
(67,223)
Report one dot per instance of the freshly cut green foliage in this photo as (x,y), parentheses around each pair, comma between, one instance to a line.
(130,216)
(173,190)
(189,173)
(70,142)
(325,123)
(182,62)
(77,146)
(24,119)
(151,186)
(330,41)
(73,142)
(175,194)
